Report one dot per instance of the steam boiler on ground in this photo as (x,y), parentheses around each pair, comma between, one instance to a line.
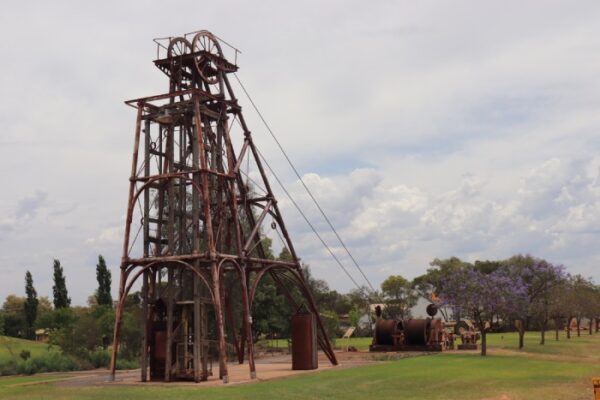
(426,334)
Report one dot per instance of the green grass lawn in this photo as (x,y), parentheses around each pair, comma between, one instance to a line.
(10,345)
(529,374)
(585,346)
(16,381)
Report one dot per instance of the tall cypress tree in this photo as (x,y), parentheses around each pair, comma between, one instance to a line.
(103,296)
(59,290)
(30,306)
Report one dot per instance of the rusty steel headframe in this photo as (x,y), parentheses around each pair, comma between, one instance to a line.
(200,220)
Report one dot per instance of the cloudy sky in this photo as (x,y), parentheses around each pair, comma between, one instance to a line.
(426,129)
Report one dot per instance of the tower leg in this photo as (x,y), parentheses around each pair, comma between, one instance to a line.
(117,331)
(220,326)
(169,344)
(197,334)
(144,361)
(204,345)
(247,325)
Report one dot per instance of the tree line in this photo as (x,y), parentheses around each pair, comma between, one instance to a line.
(520,293)
(82,334)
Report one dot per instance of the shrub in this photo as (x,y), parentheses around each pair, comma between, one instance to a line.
(51,362)
(25,354)
(100,358)
(8,368)
(127,364)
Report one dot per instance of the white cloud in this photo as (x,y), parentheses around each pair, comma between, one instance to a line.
(401,228)
(112,235)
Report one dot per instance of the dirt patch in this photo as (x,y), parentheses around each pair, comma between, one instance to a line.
(268,367)
(273,366)
(501,397)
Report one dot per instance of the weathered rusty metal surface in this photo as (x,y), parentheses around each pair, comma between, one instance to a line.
(428,334)
(469,339)
(417,331)
(386,330)
(304,342)
(201,223)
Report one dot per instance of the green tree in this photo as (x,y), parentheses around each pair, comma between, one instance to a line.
(106,320)
(80,336)
(581,306)
(60,318)
(354,316)
(59,290)
(14,317)
(399,297)
(270,311)
(285,255)
(430,284)
(487,266)
(559,307)
(30,308)
(44,305)
(103,276)
(539,277)
(360,298)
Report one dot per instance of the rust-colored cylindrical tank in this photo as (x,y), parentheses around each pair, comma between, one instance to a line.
(385,329)
(304,342)
(417,331)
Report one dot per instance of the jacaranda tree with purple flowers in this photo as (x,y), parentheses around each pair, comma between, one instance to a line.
(482,296)
(539,278)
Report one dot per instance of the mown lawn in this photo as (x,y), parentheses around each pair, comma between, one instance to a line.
(10,347)
(529,374)
(586,346)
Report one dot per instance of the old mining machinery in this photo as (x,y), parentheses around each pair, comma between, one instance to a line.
(424,334)
(201,220)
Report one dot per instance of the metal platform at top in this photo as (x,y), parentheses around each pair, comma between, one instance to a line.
(189,61)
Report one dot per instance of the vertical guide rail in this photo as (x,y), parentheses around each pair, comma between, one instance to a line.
(125,255)
(169,349)
(146,221)
(246,325)
(197,342)
(199,354)
(145,328)
(215,272)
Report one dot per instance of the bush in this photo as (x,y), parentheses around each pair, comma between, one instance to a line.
(100,358)
(51,362)
(25,354)
(8,368)
(127,364)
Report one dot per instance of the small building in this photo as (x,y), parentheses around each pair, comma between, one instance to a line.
(42,335)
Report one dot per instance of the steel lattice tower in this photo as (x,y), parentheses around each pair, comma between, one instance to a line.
(201,222)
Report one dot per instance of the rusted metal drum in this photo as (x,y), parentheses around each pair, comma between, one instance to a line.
(304,342)
(385,329)
(417,331)
(158,346)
